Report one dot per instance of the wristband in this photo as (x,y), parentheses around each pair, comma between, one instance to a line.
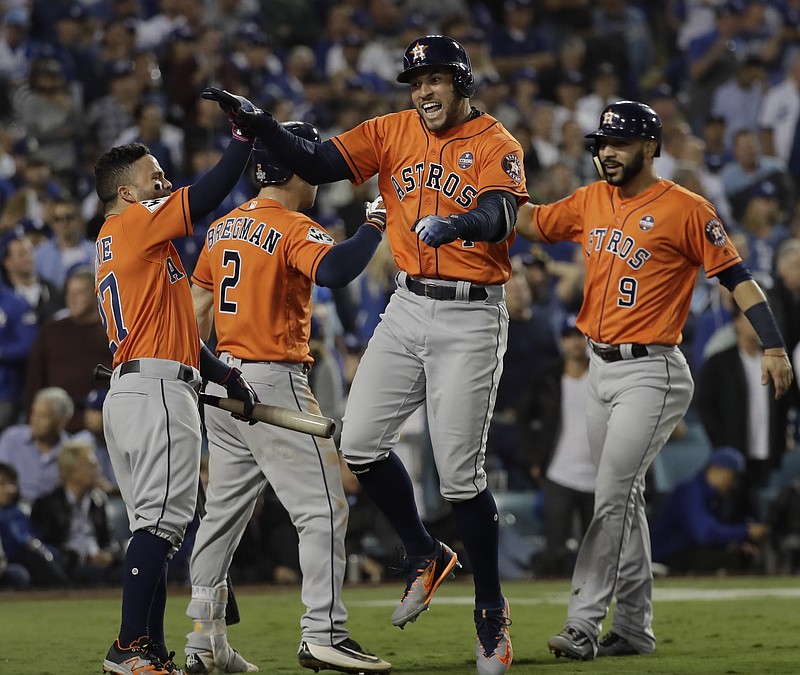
(211,368)
(763,322)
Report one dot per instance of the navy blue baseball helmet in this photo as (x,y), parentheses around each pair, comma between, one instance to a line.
(629,119)
(267,168)
(439,50)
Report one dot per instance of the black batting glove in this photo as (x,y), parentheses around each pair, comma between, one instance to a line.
(247,120)
(240,389)
(436,230)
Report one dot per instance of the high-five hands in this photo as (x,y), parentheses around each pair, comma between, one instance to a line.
(247,120)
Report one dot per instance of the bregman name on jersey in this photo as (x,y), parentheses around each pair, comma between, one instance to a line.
(241,228)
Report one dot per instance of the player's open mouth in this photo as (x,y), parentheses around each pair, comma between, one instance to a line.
(431,109)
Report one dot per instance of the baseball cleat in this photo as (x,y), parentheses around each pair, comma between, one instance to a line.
(346,657)
(493,652)
(202,663)
(167,659)
(614,644)
(425,575)
(574,644)
(137,659)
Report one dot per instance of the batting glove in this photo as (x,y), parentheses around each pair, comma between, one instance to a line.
(376,214)
(246,119)
(240,389)
(436,230)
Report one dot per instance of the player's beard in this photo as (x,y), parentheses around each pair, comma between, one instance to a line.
(451,114)
(629,171)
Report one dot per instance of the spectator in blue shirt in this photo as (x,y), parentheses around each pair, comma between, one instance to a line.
(17,332)
(68,248)
(33,448)
(689,535)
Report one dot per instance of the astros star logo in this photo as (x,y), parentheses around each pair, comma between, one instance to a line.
(608,117)
(418,52)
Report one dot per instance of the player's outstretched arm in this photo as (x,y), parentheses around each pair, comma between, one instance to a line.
(347,259)
(775,363)
(209,191)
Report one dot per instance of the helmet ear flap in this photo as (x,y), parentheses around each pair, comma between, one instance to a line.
(464,82)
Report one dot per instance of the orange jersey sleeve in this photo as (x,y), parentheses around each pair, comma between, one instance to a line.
(260,262)
(142,290)
(642,257)
(422,173)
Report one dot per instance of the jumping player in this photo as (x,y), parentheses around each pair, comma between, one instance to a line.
(452,180)
(150,415)
(266,249)
(643,240)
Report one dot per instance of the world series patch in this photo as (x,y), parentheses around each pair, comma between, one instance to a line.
(512,166)
(715,233)
(466,160)
(646,223)
(152,204)
(320,236)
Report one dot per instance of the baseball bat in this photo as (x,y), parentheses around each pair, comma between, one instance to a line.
(294,420)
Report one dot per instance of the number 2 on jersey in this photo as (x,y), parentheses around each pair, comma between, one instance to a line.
(229,281)
(627,291)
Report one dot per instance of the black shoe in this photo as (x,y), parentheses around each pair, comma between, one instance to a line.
(346,657)
(615,645)
(574,644)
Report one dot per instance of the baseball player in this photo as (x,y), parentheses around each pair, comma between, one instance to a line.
(452,180)
(150,415)
(254,279)
(643,240)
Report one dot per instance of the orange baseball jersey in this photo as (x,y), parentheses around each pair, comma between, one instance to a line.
(422,173)
(642,257)
(260,261)
(142,290)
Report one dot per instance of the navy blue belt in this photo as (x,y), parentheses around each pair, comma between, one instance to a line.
(612,354)
(184,372)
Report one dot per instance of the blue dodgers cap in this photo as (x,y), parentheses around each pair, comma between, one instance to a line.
(94,399)
(727,458)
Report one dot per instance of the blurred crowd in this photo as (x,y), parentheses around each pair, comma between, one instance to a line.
(79,76)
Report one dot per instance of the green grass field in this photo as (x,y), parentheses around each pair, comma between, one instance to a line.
(748,625)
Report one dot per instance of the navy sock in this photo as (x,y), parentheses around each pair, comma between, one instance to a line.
(144,565)
(477,523)
(388,484)
(155,620)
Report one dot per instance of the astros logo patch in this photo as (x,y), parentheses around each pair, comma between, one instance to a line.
(466,160)
(646,223)
(418,52)
(512,166)
(715,233)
